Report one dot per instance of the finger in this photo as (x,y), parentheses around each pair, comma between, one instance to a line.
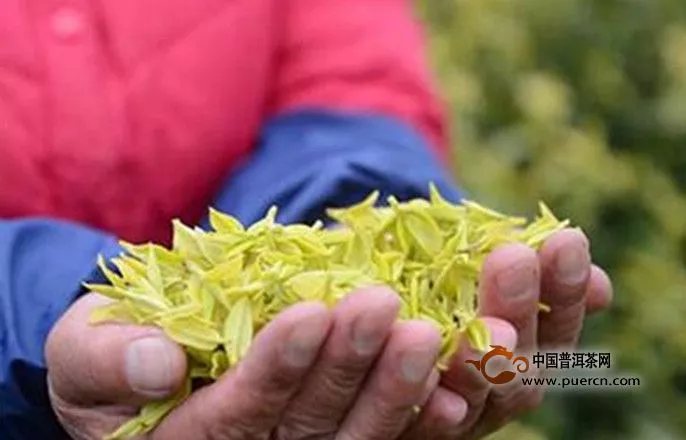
(466,381)
(566,267)
(501,408)
(362,323)
(110,363)
(509,290)
(504,403)
(430,386)
(396,385)
(599,291)
(247,402)
(444,411)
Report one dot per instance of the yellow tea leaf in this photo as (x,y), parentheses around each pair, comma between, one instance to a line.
(224,223)
(151,415)
(213,291)
(191,331)
(478,334)
(115,312)
(238,330)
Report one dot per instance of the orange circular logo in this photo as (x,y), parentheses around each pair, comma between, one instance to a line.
(520,363)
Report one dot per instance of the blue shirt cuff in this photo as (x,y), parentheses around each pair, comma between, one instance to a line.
(42,265)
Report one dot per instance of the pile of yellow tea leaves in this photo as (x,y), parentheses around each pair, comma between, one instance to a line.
(214,290)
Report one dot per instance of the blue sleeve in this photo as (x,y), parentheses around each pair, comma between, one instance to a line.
(42,265)
(310,160)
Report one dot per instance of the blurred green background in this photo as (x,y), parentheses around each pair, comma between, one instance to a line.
(582,103)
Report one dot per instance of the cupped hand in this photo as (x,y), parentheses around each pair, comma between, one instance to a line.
(514,279)
(353,372)
(349,373)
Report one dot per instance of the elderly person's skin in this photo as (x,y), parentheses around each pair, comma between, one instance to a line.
(348,373)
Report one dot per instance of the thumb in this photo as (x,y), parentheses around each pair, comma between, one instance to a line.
(110,363)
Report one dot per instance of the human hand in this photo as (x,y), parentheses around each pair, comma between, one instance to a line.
(348,373)
(352,373)
(513,280)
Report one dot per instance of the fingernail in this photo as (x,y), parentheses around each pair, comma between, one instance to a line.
(502,333)
(417,364)
(151,366)
(572,266)
(368,330)
(518,282)
(304,342)
(455,409)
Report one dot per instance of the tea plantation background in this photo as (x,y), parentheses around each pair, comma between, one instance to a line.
(582,103)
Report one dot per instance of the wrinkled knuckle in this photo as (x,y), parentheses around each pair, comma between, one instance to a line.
(278,381)
(301,422)
(292,430)
(389,421)
(341,379)
(568,320)
(229,428)
(79,423)
(272,385)
(234,431)
(288,429)
(566,298)
(351,435)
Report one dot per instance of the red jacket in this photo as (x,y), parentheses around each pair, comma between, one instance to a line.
(123,114)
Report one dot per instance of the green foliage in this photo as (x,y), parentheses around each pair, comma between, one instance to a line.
(582,103)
